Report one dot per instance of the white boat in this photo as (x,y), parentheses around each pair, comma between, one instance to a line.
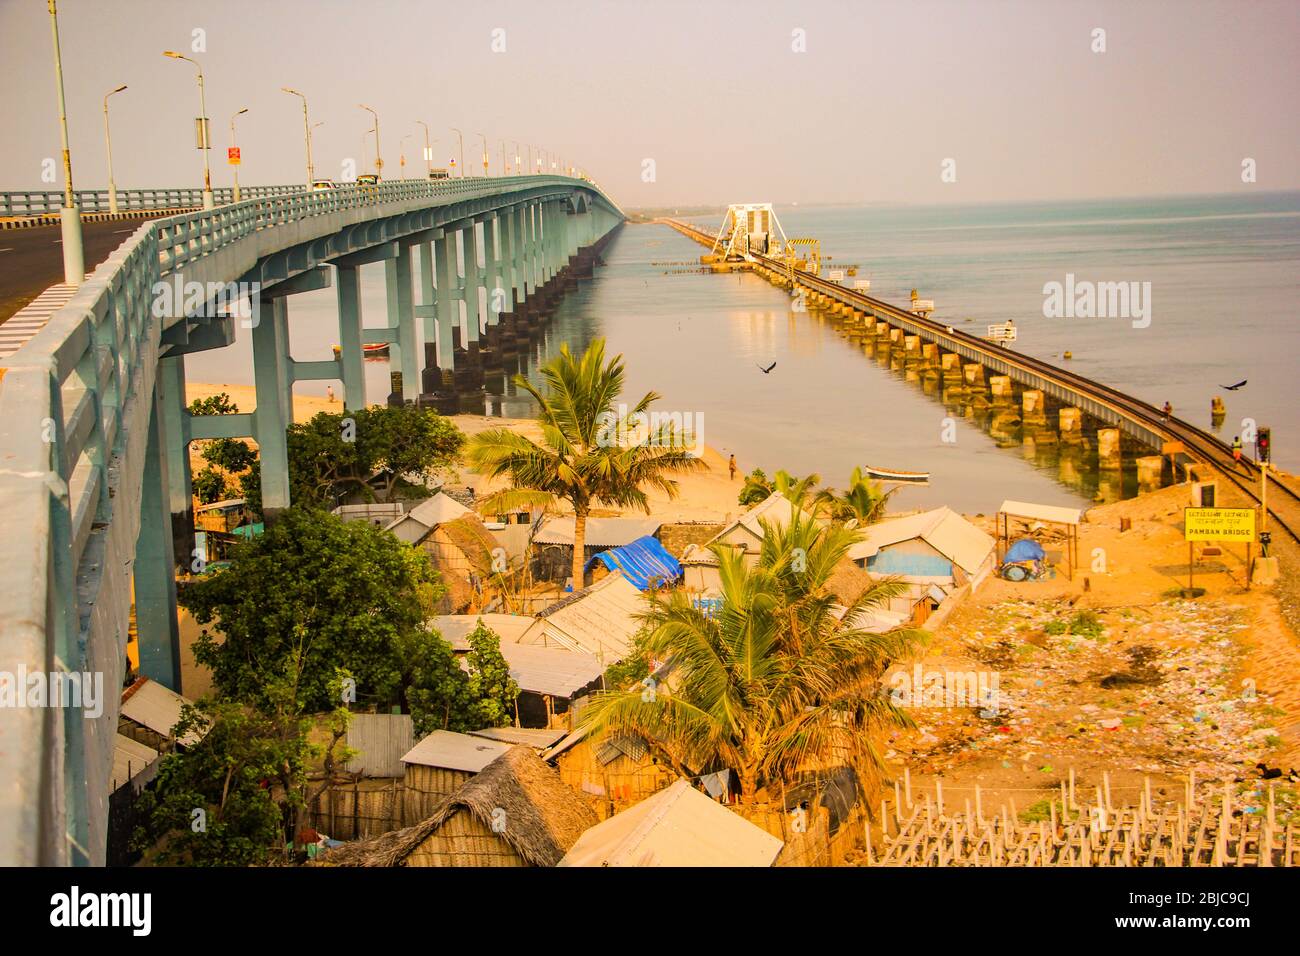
(902,477)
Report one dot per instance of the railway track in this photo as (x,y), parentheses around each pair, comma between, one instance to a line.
(1284,500)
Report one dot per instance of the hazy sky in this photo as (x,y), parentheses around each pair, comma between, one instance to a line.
(715,93)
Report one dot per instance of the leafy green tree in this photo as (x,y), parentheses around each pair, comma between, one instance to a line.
(778,680)
(209,486)
(229,777)
(311,596)
(227,457)
(578,460)
(398,448)
(490,684)
(864,501)
(758,487)
(219,404)
(438,693)
(246,775)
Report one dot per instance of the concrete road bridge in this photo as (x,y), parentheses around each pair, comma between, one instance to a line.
(95,498)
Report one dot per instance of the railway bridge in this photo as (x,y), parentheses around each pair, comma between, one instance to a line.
(966,360)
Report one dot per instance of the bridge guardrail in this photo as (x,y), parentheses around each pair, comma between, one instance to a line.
(74,406)
(29,202)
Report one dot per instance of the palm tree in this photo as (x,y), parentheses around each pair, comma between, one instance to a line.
(864,501)
(582,459)
(779,680)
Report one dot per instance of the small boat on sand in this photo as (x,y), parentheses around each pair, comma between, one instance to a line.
(904,477)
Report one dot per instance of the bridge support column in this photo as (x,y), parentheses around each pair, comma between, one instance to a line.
(507,321)
(401,316)
(274,402)
(448,311)
(1070,421)
(1032,407)
(1108,449)
(351,333)
(351,354)
(154,572)
(1001,388)
(1150,470)
(175,415)
(499,298)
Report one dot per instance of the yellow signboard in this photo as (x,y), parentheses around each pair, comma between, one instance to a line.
(1219,524)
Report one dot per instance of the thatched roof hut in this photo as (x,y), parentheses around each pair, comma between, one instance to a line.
(515,812)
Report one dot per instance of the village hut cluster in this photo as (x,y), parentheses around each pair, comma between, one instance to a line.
(544,791)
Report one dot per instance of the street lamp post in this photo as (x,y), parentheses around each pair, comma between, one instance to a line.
(516,144)
(234,144)
(108,144)
(428,150)
(74,258)
(401,152)
(483,136)
(306,129)
(379,159)
(204,145)
(460,138)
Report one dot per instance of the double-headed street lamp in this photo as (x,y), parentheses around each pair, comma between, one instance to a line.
(460,138)
(306,129)
(108,144)
(203,137)
(234,145)
(379,159)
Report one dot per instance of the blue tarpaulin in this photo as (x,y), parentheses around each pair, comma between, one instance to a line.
(1026,549)
(645,562)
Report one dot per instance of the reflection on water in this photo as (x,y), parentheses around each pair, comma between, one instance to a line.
(831,403)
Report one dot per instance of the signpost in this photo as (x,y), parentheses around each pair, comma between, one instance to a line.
(1005,332)
(1218,524)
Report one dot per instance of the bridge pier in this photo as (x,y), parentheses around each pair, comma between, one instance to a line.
(154,570)
(401,318)
(1108,449)
(351,334)
(1070,422)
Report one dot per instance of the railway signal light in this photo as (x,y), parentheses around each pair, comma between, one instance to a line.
(1263,445)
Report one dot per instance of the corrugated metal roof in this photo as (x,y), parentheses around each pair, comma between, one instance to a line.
(130,759)
(539,669)
(539,738)
(152,705)
(600,532)
(455,628)
(1054,513)
(600,620)
(453,751)
(678,826)
(943,529)
(645,562)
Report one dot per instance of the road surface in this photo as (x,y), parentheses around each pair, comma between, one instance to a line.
(31,260)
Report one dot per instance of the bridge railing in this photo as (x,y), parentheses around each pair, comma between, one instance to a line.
(29,202)
(75,405)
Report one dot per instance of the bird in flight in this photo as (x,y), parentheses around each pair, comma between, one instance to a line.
(1233,388)
(769,368)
